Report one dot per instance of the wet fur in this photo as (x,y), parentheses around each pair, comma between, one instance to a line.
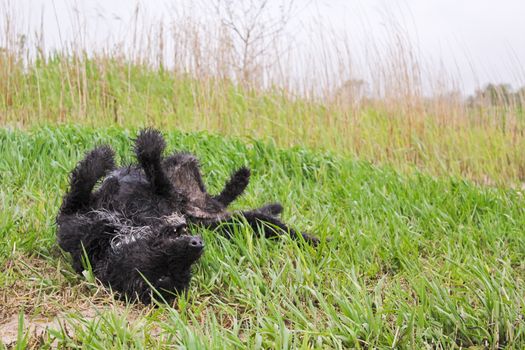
(133,228)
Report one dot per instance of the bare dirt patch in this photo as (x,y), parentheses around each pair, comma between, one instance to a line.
(42,293)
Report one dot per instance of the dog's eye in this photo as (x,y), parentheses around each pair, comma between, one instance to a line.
(180,229)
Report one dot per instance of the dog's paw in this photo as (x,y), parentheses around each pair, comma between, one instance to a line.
(314,241)
(149,145)
(98,162)
(242,176)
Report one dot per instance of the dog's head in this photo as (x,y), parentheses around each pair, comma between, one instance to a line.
(153,265)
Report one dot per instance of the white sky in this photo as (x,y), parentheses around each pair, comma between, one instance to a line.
(476,41)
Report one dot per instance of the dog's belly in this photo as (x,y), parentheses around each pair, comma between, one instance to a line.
(127,175)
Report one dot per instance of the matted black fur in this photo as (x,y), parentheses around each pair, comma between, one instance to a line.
(133,229)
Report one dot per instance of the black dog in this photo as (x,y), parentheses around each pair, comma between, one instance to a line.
(133,228)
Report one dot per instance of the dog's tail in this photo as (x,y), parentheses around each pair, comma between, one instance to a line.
(149,146)
(96,164)
(235,186)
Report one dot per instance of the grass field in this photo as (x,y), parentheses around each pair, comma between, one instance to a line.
(420,192)
(414,261)
(437,135)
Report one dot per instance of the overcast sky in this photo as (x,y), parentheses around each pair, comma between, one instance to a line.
(483,40)
(477,41)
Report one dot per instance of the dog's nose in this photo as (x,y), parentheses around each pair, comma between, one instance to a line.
(196,243)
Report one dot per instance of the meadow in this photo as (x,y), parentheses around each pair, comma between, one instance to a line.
(417,198)
(414,261)
(440,135)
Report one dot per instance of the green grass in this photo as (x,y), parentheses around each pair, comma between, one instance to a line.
(414,261)
(440,138)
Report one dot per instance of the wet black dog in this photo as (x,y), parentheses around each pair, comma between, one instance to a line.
(133,229)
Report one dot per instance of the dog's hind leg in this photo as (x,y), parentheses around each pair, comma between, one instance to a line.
(272,226)
(234,187)
(273,209)
(149,146)
(95,165)
(260,219)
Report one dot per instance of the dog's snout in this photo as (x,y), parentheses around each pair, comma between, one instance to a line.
(196,242)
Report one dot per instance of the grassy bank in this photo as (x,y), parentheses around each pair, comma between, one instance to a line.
(440,138)
(414,261)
